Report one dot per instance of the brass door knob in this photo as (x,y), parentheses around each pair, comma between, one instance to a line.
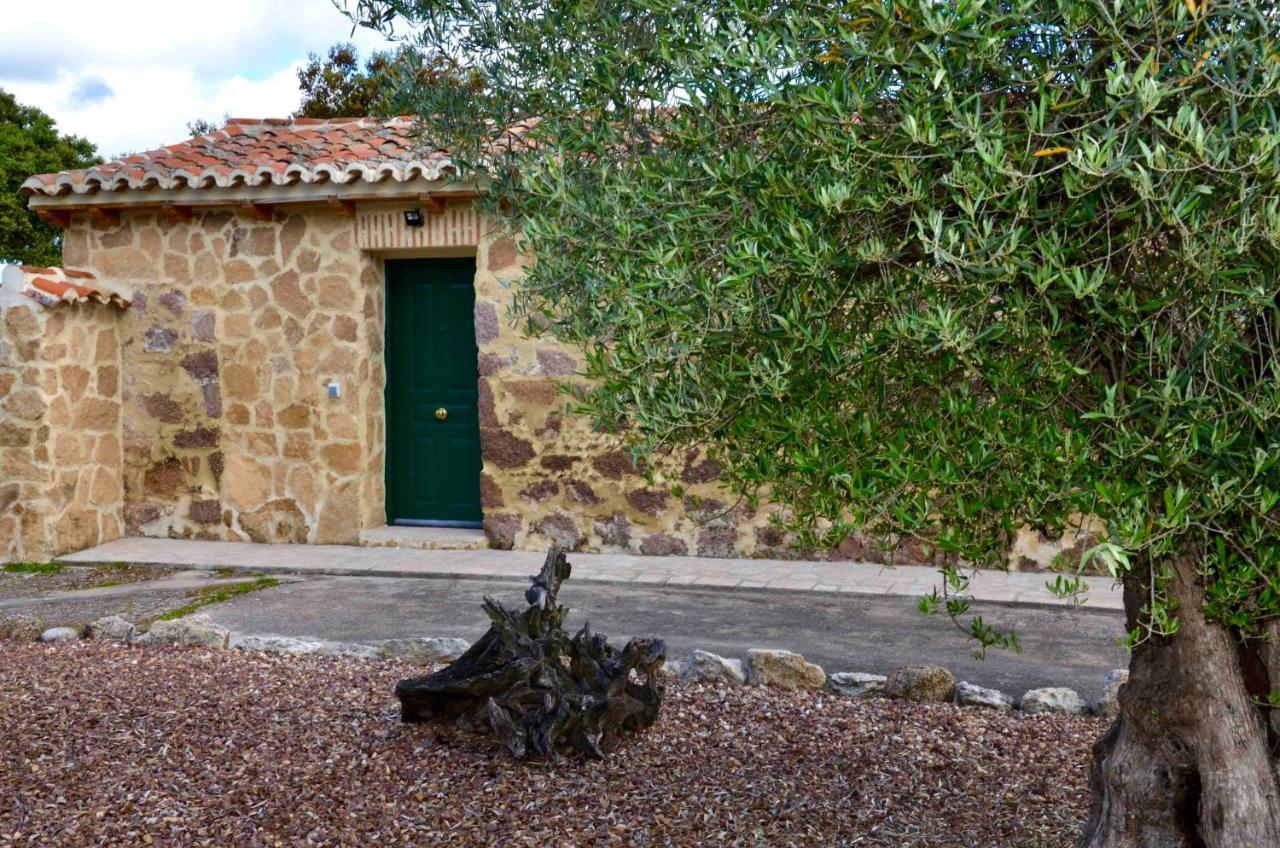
(442,414)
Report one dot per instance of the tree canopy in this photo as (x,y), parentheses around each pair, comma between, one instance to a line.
(939,269)
(942,268)
(30,144)
(336,86)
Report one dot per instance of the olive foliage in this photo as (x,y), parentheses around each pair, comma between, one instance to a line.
(943,268)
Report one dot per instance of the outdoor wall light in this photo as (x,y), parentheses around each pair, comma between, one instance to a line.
(413,217)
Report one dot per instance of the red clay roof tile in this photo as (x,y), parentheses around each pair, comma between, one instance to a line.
(272,151)
(52,286)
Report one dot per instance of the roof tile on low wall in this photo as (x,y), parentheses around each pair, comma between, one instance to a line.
(52,286)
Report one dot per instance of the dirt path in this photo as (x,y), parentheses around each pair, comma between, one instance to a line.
(70,596)
(19,580)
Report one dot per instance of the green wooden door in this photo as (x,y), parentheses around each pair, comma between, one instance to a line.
(433,431)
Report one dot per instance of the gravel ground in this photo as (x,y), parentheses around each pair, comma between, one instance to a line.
(108,745)
(74,596)
(69,578)
(25,623)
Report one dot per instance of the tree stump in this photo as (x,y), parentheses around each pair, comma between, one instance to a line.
(540,691)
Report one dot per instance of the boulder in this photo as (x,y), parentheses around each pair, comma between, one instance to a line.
(706,667)
(197,630)
(60,634)
(921,683)
(1053,699)
(969,695)
(428,651)
(673,668)
(783,669)
(1108,704)
(856,683)
(276,645)
(113,628)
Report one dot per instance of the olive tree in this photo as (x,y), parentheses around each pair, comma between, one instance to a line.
(945,268)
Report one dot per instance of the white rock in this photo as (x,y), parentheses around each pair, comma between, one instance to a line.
(706,667)
(969,695)
(429,651)
(1108,704)
(114,628)
(275,644)
(60,634)
(673,668)
(856,683)
(1054,699)
(198,630)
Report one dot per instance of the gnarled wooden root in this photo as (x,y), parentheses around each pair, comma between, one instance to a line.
(537,689)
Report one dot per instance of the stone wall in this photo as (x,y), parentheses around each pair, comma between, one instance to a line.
(60,436)
(549,477)
(236,329)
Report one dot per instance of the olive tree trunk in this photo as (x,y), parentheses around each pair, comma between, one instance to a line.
(1189,760)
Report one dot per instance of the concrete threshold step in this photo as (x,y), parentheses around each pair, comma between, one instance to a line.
(424,538)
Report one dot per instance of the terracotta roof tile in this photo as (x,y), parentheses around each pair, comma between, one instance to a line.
(272,151)
(53,286)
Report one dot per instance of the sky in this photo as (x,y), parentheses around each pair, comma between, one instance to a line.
(130,74)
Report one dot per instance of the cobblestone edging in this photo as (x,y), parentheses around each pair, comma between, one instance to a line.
(762,667)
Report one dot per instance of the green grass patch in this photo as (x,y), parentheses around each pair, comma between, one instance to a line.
(120,573)
(32,567)
(218,594)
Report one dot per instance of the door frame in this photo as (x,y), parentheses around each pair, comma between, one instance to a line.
(386,260)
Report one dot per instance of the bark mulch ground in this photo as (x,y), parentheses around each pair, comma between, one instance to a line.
(108,745)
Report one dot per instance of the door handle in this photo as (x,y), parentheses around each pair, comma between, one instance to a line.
(442,414)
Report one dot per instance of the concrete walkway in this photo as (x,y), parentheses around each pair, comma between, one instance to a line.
(839,578)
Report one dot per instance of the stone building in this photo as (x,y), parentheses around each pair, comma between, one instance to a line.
(295,331)
(304,341)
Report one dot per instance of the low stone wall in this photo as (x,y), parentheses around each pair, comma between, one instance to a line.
(60,437)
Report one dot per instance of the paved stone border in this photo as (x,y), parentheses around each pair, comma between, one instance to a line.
(921,683)
(856,578)
(762,667)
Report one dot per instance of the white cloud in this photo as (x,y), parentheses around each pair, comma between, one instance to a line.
(153,65)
